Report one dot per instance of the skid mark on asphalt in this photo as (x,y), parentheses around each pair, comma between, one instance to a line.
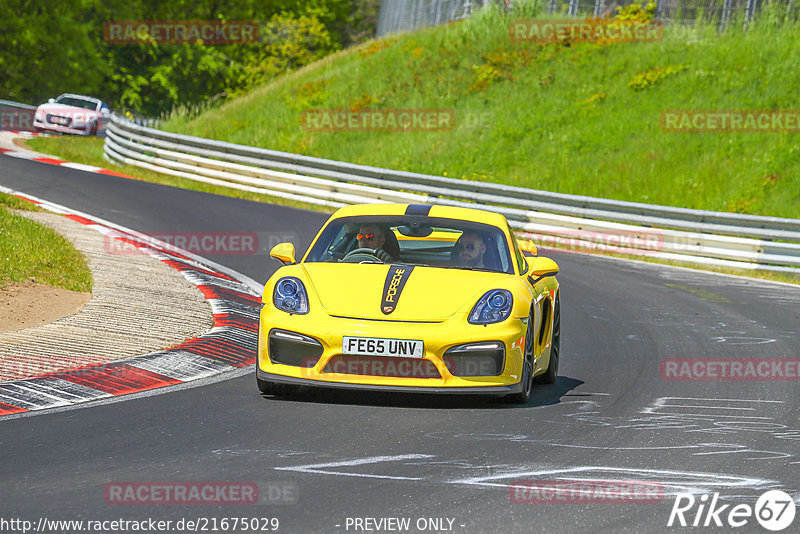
(704,294)
(696,449)
(723,416)
(773,293)
(429,468)
(694,406)
(264,453)
(672,481)
(715,416)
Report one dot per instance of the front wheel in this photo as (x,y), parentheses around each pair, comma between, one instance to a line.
(549,377)
(525,396)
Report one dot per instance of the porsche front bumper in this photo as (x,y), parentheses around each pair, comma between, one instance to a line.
(329,367)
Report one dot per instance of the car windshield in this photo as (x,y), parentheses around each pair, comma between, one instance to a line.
(413,240)
(76,102)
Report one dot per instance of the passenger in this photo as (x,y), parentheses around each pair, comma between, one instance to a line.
(470,250)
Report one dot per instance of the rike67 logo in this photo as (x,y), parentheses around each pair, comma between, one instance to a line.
(774,510)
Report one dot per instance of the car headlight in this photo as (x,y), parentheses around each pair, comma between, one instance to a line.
(494,306)
(290,296)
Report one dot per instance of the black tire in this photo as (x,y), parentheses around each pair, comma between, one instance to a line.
(525,396)
(93,130)
(549,377)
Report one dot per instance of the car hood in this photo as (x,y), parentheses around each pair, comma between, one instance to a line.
(427,294)
(69,111)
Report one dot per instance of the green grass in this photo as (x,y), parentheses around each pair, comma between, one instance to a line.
(559,118)
(16,203)
(89,151)
(31,250)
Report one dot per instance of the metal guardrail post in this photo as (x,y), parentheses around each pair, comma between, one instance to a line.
(573,8)
(726,15)
(749,12)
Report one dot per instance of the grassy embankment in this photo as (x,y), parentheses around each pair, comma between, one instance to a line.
(580,119)
(31,250)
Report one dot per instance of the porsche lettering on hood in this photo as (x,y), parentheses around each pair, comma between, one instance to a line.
(396,280)
(374,291)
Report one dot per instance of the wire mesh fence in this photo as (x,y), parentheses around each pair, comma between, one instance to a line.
(403,15)
(682,11)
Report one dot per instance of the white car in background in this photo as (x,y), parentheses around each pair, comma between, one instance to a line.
(73,114)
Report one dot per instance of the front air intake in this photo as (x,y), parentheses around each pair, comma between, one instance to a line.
(476,359)
(291,348)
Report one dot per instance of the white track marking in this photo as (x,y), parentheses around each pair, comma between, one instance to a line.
(81,167)
(321,468)
(695,482)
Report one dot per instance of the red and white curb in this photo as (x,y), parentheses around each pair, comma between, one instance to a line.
(229,345)
(26,133)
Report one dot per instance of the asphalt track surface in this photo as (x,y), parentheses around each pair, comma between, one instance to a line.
(610,416)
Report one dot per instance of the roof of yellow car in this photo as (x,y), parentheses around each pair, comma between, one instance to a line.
(444,212)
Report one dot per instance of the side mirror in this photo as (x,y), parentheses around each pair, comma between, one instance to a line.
(51,100)
(541,266)
(283,252)
(527,245)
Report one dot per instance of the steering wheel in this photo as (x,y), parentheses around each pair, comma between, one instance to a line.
(365,254)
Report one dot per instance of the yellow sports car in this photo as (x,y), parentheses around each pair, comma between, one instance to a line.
(411,298)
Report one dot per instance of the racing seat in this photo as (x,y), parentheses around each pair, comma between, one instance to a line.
(391,246)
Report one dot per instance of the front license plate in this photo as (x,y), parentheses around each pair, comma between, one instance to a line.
(373,346)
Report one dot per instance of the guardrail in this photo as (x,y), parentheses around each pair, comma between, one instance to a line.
(16,116)
(10,104)
(551,219)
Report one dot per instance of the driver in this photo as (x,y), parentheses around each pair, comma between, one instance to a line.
(373,236)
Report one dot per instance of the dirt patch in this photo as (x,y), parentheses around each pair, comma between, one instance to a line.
(27,304)
(20,142)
